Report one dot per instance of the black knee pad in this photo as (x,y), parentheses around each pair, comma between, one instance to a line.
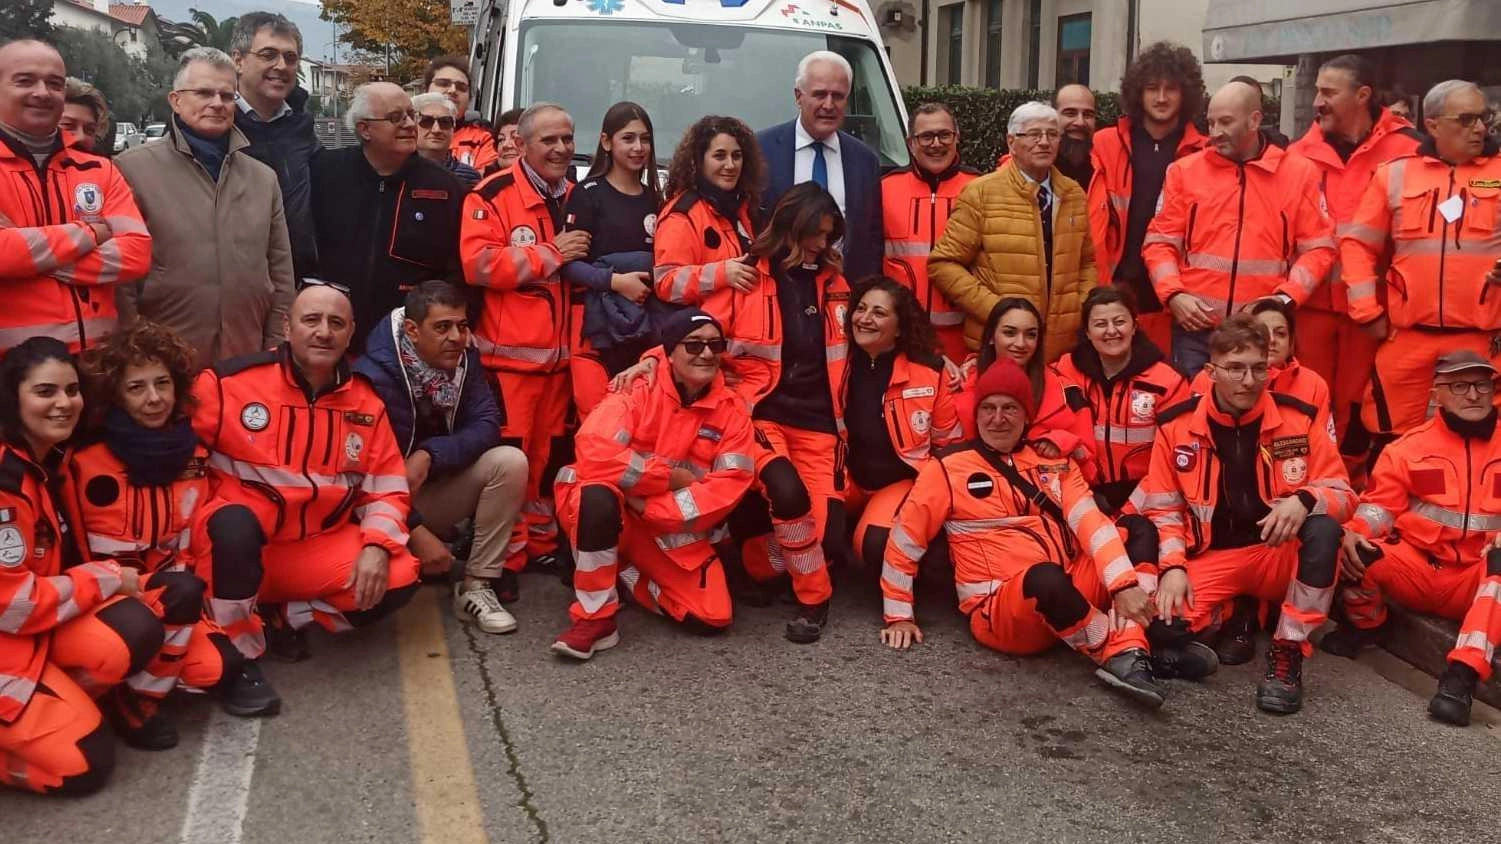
(837,533)
(236,556)
(789,497)
(560,454)
(750,518)
(1163,636)
(182,595)
(599,518)
(138,627)
(1318,554)
(698,627)
(873,549)
(98,749)
(1141,538)
(1058,600)
(393,600)
(1493,562)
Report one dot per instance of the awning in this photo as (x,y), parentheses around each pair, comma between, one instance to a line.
(1278,31)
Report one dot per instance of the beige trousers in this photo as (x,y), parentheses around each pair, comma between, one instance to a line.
(490,490)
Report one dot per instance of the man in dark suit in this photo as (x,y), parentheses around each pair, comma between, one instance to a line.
(812,149)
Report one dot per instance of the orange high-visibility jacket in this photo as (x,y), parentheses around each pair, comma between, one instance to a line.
(474,144)
(1294,380)
(996,532)
(304,463)
(57,282)
(1054,420)
(1344,182)
(1122,410)
(1296,453)
(36,595)
(916,208)
(1110,190)
(918,408)
(505,243)
(692,244)
(753,325)
(635,438)
(1439,260)
(1437,490)
(1231,233)
(146,526)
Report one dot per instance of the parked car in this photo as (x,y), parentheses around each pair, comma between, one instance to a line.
(124,132)
(154,132)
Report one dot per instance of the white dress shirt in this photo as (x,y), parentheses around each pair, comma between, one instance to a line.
(802,162)
(1047,185)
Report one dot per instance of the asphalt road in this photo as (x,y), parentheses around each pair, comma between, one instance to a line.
(426,730)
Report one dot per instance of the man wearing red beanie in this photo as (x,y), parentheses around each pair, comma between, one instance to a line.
(1034,559)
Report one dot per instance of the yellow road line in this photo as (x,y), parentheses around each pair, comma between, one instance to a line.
(443,787)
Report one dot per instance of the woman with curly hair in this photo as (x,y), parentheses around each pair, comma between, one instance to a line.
(1162,94)
(894,404)
(85,114)
(139,486)
(715,179)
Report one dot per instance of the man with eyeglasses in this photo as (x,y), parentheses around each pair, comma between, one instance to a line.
(271,113)
(387,219)
(1020,231)
(221,269)
(1427,533)
(473,141)
(1247,492)
(435,125)
(918,201)
(1239,221)
(1437,214)
(659,466)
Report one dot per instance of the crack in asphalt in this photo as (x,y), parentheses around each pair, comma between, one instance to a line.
(527,802)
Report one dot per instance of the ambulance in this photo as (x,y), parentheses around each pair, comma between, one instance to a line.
(681,60)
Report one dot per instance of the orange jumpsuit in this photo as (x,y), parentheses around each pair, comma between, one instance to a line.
(1295,380)
(1442,226)
(1007,550)
(692,244)
(1199,479)
(526,334)
(56,280)
(65,637)
(916,209)
(1055,421)
(474,144)
(1329,342)
(1433,504)
(323,478)
(617,496)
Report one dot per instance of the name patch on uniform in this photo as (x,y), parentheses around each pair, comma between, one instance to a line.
(354,417)
(1485,183)
(1185,458)
(422,193)
(1285,447)
(711,434)
(480,214)
(197,468)
(12,547)
(980,485)
(918,392)
(255,416)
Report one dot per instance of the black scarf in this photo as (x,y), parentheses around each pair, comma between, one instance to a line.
(727,204)
(1482,429)
(152,456)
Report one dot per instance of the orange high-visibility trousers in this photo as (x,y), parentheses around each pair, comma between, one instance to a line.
(877,511)
(1048,602)
(1403,375)
(1336,348)
(795,545)
(1469,594)
(536,416)
(951,342)
(1263,572)
(1158,327)
(195,650)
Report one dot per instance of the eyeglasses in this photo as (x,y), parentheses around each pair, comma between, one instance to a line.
(306,282)
(1468,119)
(445,122)
(269,55)
(395,118)
(930,138)
(1239,371)
(694,348)
(1038,134)
(227,97)
(457,84)
(1463,388)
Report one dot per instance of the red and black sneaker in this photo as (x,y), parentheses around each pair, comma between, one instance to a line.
(139,720)
(1281,690)
(586,638)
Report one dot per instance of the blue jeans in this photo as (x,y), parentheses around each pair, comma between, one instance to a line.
(1190,351)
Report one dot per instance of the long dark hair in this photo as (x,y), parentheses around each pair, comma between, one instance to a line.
(618,117)
(687,159)
(18,364)
(914,334)
(988,351)
(798,214)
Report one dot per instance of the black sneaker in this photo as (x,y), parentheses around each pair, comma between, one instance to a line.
(1194,661)
(284,642)
(1130,673)
(249,694)
(139,720)
(507,587)
(1281,690)
(1456,692)
(1237,642)
(808,624)
(1348,640)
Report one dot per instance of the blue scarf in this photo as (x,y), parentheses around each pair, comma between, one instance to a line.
(210,152)
(152,456)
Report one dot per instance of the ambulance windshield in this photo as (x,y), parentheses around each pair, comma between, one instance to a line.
(681,72)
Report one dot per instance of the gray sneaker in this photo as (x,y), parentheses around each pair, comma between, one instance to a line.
(1130,673)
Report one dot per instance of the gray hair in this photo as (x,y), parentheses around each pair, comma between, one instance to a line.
(1028,112)
(528,117)
(203,55)
(359,107)
(822,56)
(1438,95)
(422,101)
(250,23)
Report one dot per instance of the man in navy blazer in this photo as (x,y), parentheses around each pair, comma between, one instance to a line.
(812,149)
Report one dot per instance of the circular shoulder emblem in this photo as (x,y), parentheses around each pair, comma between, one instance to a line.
(921,422)
(102,490)
(12,547)
(88,198)
(523,236)
(354,445)
(255,417)
(980,485)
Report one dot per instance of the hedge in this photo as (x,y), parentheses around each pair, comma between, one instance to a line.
(982,114)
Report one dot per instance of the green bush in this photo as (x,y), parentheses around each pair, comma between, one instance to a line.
(982,114)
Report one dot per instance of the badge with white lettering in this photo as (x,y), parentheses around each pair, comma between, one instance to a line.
(710,434)
(921,421)
(1485,183)
(88,199)
(918,392)
(980,485)
(1294,470)
(12,547)
(523,236)
(1185,458)
(1285,447)
(255,417)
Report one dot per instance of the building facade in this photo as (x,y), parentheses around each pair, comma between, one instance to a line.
(132,26)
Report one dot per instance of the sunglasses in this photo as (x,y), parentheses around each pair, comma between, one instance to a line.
(694,348)
(305,283)
(445,123)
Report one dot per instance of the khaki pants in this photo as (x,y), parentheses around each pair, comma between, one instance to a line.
(490,490)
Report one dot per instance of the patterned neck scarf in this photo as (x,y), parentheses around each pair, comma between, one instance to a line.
(439,387)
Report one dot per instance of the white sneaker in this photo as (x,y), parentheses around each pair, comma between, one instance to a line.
(483,608)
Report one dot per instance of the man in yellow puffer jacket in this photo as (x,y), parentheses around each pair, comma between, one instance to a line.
(1020,231)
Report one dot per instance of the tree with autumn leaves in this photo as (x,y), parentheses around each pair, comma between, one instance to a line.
(401,34)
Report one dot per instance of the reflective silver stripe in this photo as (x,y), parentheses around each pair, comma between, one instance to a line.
(380,524)
(1077,512)
(20,606)
(1468,640)
(527,354)
(896,609)
(896,577)
(302,613)
(967,526)
(1144,501)
(151,684)
(373,484)
(763,351)
(733,460)
(1118,568)
(1171,545)
(677,291)
(907,249)
(1308,599)
(109,546)
(1376,517)
(804,561)
(1244,266)
(587,561)
(1361,289)
(1091,635)
(1396,174)
(568,475)
(1172,240)
(686,505)
(708,280)
(1303,278)
(66,332)
(1102,536)
(833,353)
(380,508)
(1367,235)
(1167,517)
(1489,589)
(674,541)
(1125,436)
(1119,201)
(1312,243)
(17,688)
(906,544)
(1203,512)
(1454,518)
(982,589)
(1164,271)
(635,468)
(1147,582)
(946,318)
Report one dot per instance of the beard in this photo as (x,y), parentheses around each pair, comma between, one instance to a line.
(1073,159)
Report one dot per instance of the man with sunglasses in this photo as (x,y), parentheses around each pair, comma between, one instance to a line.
(387,219)
(473,141)
(1437,214)
(1427,531)
(660,465)
(221,269)
(435,125)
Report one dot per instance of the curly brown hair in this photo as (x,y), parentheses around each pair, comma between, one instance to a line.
(683,173)
(915,338)
(103,367)
(1164,61)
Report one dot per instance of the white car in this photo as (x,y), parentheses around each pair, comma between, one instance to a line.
(154,132)
(124,133)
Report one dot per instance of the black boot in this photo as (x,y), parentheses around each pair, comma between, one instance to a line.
(1456,692)
(808,624)
(507,587)
(139,720)
(1348,640)
(1281,690)
(249,693)
(1194,661)
(1237,643)
(284,642)
(1130,673)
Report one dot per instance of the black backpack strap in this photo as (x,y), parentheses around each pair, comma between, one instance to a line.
(1040,499)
